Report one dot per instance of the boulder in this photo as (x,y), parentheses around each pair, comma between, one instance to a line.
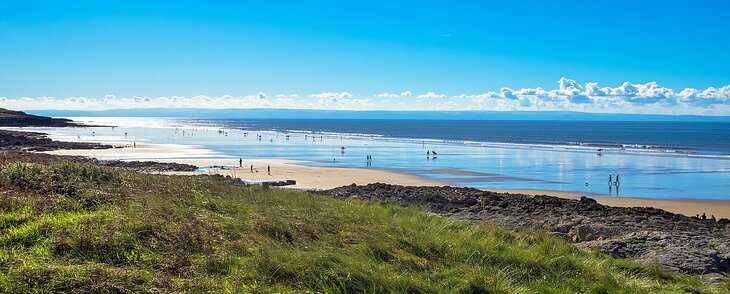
(583,233)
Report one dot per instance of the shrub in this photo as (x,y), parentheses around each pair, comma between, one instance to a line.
(78,172)
(23,175)
(63,177)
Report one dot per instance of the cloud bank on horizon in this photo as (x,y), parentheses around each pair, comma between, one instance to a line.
(649,98)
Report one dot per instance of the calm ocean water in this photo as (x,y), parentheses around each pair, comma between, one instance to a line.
(653,159)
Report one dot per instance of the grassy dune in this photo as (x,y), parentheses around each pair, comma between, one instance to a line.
(68,226)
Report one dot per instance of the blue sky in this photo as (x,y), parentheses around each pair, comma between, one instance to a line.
(154,49)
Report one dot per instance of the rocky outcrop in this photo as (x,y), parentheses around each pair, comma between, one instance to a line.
(677,242)
(147,166)
(30,141)
(10,118)
(10,156)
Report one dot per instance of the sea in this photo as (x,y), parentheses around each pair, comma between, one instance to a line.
(652,159)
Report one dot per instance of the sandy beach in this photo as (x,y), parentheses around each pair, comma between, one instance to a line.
(313,177)
(307,177)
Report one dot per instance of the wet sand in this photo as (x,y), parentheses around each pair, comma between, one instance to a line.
(307,177)
(312,177)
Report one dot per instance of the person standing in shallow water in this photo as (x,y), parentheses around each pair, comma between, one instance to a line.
(610,184)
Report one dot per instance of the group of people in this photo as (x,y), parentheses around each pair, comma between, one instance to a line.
(431,155)
(704,216)
(268,167)
(321,138)
(611,183)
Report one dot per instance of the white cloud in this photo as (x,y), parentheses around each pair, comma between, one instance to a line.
(392,95)
(431,95)
(387,95)
(327,98)
(331,95)
(568,95)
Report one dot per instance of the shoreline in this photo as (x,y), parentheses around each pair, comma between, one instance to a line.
(307,177)
(584,147)
(326,177)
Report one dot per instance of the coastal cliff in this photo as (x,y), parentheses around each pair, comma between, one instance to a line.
(11,118)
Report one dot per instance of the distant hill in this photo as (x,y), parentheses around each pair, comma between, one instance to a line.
(376,114)
(10,118)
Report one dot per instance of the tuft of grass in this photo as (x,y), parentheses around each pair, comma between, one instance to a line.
(23,175)
(84,228)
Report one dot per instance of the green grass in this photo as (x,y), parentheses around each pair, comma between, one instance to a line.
(5,113)
(69,226)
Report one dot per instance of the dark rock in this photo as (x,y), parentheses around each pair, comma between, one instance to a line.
(148,166)
(562,228)
(677,242)
(582,233)
(29,141)
(8,156)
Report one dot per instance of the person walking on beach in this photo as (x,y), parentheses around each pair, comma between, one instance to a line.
(240,162)
(268,169)
(252,168)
